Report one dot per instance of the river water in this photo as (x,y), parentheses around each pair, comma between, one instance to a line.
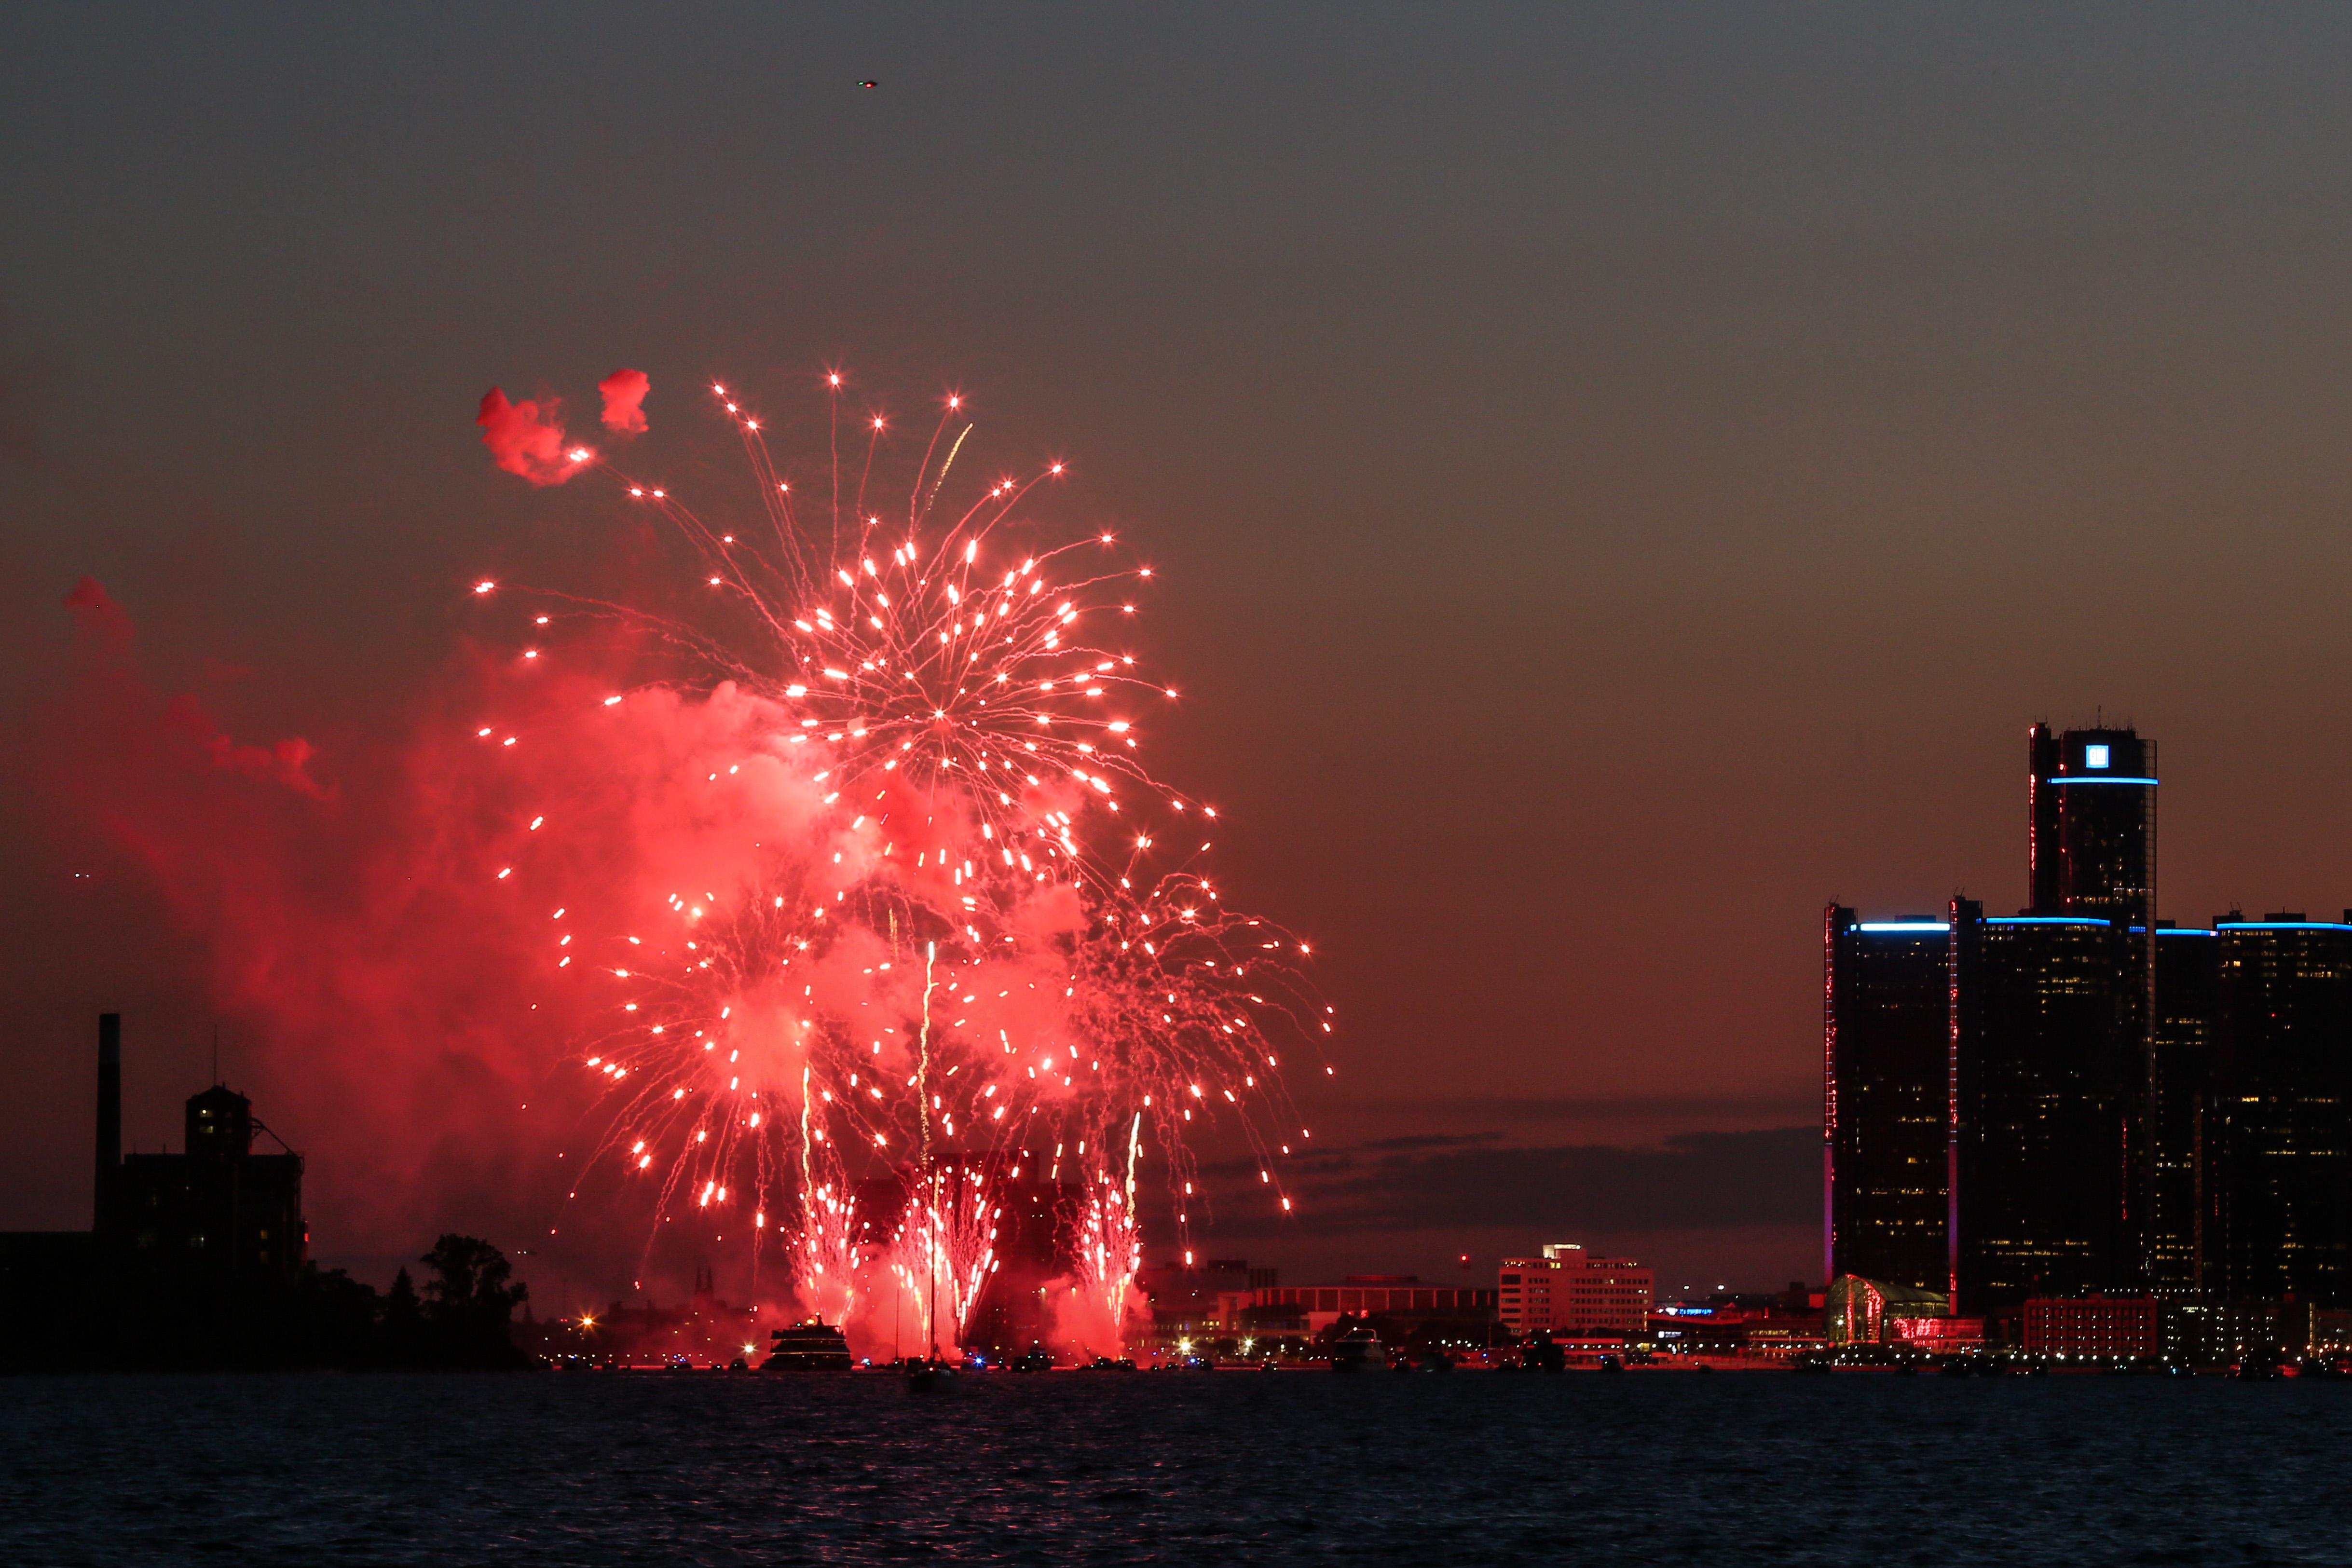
(1211,1467)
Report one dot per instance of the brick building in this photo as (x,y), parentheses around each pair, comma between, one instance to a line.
(2097,1326)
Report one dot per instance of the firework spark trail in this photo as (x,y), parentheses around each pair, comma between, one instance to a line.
(1111,1243)
(944,1249)
(938,742)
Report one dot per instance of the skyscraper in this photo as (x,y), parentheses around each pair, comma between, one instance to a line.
(2279,1138)
(1886,1106)
(2091,801)
(2181,1048)
(2044,1081)
(2129,1105)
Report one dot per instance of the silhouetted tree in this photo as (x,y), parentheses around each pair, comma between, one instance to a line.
(328,1320)
(402,1330)
(470,1306)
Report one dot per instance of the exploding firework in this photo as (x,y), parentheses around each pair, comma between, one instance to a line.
(969,935)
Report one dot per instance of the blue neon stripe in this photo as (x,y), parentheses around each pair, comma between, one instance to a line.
(2182,931)
(2044,920)
(2281,925)
(2081,778)
(1876,927)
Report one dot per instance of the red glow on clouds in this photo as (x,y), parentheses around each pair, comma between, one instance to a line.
(625,399)
(527,438)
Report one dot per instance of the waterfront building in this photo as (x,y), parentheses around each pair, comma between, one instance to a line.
(2091,812)
(1886,1108)
(2217,1331)
(2126,1106)
(1990,1080)
(1190,1302)
(1608,1295)
(217,1209)
(1939,1336)
(2044,1081)
(2188,979)
(1569,1290)
(2113,1327)
(1751,1327)
(1405,1302)
(215,1214)
(2279,1135)
(1873,1312)
(171,1235)
(1522,1295)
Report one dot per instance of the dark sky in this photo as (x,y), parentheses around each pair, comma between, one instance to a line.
(1621,475)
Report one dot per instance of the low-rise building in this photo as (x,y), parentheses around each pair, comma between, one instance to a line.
(2214,1334)
(1751,1326)
(2100,1327)
(1569,1290)
(1406,1301)
(1189,1301)
(1939,1336)
(1878,1311)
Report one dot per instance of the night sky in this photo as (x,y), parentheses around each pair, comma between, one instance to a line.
(1620,477)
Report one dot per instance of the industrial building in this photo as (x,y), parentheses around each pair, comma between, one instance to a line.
(189,1230)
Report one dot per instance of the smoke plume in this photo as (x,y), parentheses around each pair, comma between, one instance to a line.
(527,438)
(625,399)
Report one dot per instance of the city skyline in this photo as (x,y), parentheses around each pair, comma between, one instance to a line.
(830,778)
(2087,1097)
(1659,532)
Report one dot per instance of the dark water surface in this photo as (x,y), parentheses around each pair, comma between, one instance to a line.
(1200,1467)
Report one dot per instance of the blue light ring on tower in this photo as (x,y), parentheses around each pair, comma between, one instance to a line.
(2065,779)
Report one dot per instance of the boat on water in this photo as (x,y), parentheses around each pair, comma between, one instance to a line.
(809,1346)
(930,1377)
(1360,1353)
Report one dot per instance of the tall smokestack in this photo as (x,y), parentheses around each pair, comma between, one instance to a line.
(110,1119)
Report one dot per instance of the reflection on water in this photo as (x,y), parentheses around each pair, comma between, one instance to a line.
(1200,1468)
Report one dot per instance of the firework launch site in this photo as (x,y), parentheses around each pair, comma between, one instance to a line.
(777,876)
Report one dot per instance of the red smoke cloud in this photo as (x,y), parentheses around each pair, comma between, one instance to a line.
(398,993)
(104,626)
(390,946)
(423,955)
(527,438)
(624,398)
(107,633)
(598,898)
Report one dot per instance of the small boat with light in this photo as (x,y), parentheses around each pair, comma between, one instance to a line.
(933,1376)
